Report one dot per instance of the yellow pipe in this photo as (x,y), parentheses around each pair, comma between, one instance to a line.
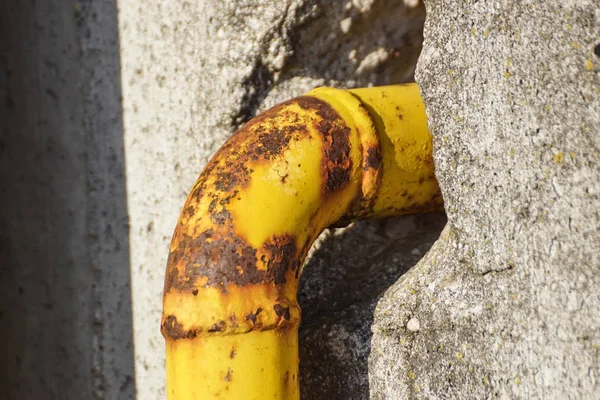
(327,158)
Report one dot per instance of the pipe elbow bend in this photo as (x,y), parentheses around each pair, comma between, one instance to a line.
(329,157)
(326,158)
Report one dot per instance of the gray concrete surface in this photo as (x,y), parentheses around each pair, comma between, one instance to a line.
(349,271)
(504,305)
(192,73)
(65,306)
(507,300)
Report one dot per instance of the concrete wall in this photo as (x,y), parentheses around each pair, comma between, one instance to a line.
(508,298)
(65,305)
(503,305)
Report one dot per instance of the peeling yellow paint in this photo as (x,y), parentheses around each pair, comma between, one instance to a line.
(230,311)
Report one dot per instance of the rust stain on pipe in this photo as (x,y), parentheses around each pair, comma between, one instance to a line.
(324,159)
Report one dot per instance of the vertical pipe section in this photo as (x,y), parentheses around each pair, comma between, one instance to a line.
(323,159)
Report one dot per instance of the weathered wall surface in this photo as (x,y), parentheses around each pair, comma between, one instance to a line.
(505,304)
(65,307)
(507,300)
(192,73)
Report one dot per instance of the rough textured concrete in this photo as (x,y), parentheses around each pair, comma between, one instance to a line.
(507,300)
(192,73)
(340,286)
(505,303)
(65,305)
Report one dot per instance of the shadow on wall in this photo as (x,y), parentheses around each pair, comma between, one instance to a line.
(376,42)
(340,44)
(339,289)
(65,305)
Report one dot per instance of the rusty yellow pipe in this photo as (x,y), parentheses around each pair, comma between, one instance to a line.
(327,158)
